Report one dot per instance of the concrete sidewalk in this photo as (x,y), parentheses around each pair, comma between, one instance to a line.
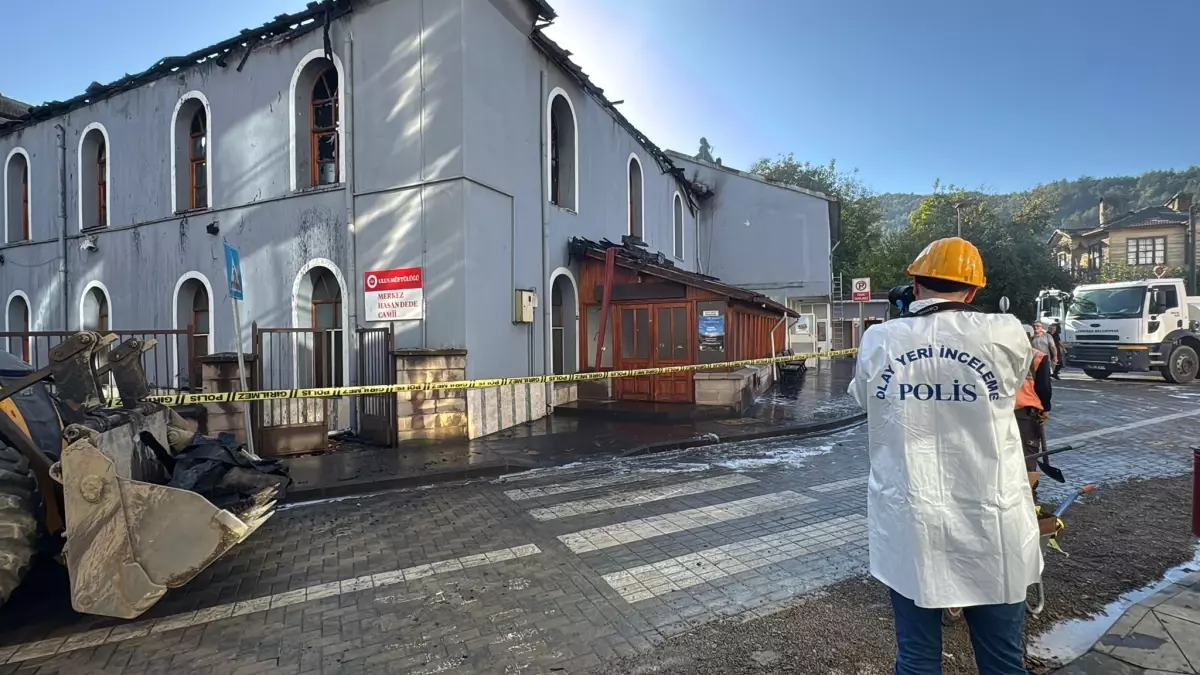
(1159,635)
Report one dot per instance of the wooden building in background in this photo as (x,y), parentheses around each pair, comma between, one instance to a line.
(662,316)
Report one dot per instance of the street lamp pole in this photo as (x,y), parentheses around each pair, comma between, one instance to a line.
(958,212)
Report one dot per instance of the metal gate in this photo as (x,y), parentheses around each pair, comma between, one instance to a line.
(297,358)
(376,413)
(167,363)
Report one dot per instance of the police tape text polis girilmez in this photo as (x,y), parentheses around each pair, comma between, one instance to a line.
(940,391)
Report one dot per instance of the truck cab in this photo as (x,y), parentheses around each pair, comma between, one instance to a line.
(1134,326)
(1052,306)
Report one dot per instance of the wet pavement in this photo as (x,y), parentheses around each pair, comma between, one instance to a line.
(1158,635)
(552,570)
(560,439)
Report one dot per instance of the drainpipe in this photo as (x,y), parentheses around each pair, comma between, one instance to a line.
(547,355)
(62,226)
(349,332)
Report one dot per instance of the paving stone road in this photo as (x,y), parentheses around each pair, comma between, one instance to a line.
(553,570)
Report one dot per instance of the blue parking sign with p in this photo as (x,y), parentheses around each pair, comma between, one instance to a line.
(233,271)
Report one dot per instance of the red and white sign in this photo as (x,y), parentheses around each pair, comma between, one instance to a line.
(394,295)
(860,290)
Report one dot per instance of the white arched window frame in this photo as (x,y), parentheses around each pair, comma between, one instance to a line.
(8,327)
(212,329)
(298,320)
(107,301)
(9,197)
(176,207)
(557,92)
(678,226)
(79,174)
(294,133)
(641,196)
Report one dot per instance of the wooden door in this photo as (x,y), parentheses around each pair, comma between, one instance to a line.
(633,351)
(672,347)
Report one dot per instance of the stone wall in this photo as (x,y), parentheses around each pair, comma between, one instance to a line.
(219,374)
(734,389)
(435,414)
(494,409)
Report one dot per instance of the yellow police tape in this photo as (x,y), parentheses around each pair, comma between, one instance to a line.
(372,390)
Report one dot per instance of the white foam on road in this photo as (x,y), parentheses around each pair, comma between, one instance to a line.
(577,486)
(790,457)
(598,538)
(703,567)
(620,500)
(137,629)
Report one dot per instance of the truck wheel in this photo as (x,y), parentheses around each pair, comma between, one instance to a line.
(18,524)
(1182,366)
(1098,374)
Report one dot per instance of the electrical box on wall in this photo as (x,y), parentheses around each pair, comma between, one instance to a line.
(524,304)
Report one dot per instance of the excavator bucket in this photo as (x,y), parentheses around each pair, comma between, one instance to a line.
(129,537)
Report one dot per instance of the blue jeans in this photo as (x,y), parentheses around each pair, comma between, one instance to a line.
(997,634)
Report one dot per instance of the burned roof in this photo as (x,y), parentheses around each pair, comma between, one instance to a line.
(285,27)
(632,254)
(11,109)
(562,58)
(1154,216)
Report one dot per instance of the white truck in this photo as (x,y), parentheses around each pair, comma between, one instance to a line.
(1132,327)
(1052,306)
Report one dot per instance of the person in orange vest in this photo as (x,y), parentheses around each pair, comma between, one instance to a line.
(1032,406)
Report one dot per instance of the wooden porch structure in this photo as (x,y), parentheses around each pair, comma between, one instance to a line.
(661,316)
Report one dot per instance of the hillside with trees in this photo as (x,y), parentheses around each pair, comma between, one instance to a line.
(882,233)
(1077,199)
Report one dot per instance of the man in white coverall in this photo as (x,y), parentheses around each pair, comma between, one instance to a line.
(951,520)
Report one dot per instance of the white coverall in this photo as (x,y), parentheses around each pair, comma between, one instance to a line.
(950,516)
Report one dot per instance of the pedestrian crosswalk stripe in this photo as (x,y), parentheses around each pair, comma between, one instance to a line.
(839,485)
(622,499)
(137,629)
(598,538)
(674,574)
(578,485)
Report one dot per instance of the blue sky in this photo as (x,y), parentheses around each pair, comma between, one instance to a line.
(993,95)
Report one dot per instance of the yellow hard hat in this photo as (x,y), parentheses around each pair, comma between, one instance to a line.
(951,259)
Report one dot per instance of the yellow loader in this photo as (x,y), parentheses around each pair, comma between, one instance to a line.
(85,484)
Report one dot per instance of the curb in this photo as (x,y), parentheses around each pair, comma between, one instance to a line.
(363,487)
(810,429)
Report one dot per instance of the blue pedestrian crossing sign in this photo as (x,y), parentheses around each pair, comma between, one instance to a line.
(233,271)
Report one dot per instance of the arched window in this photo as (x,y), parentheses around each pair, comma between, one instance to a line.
(327,320)
(564,148)
(191,154)
(316,98)
(193,313)
(636,203)
(325,112)
(102,183)
(17,321)
(198,159)
(94,185)
(95,312)
(677,224)
(17,214)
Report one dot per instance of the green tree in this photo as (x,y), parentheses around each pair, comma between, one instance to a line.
(861,213)
(1016,260)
